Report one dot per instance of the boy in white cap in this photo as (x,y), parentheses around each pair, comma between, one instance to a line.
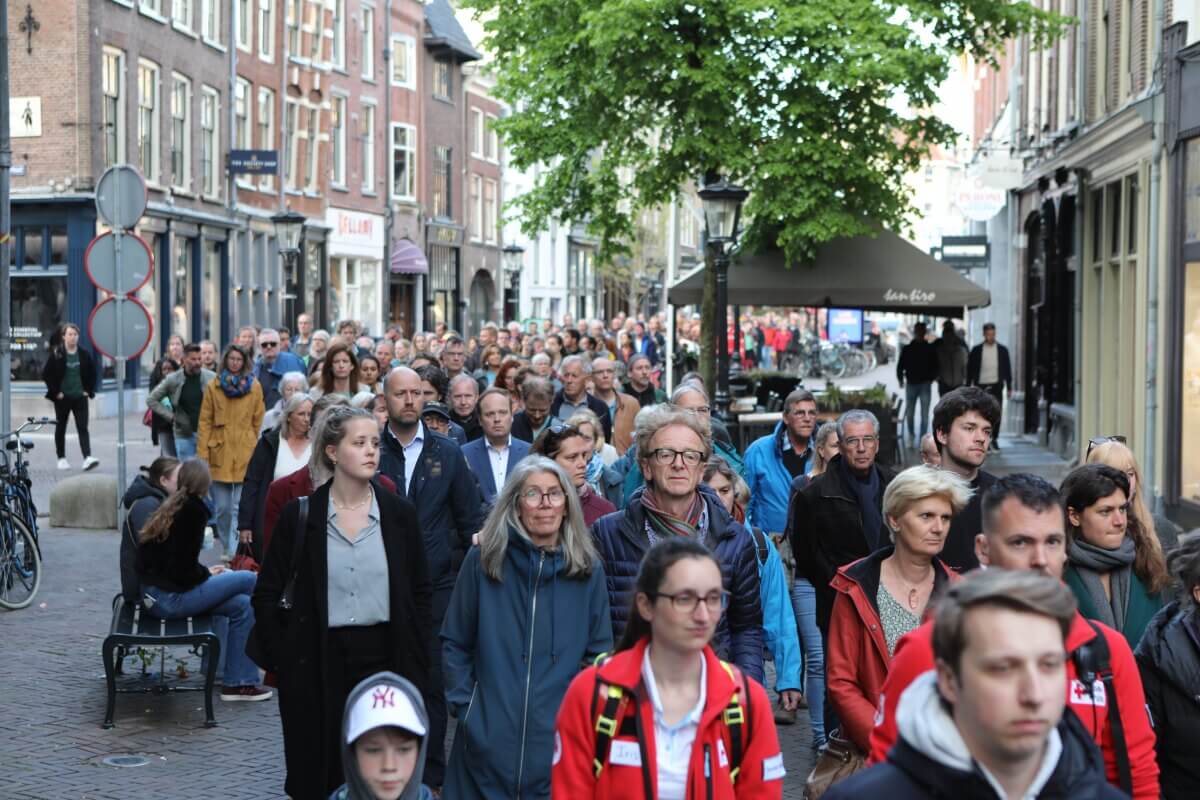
(383,741)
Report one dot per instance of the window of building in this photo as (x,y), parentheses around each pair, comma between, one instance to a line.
(489,211)
(39,295)
(339,34)
(210,20)
(148,120)
(404,162)
(210,141)
(315,25)
(295,13)
(244,21)
(1190,380)
(337,125)
(476,221)
(367,45)
(266,30)
(404,61)
(266,130)
(181,286)
(181,132)
(477,133)
(367,137)
(291,141)
(152,8)
(181,13)
(442,178)
(492,150)
(314,149)
(241,115)
(442,79)
(113,105)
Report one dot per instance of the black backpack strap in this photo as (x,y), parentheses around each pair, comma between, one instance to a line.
(1093,662)
(736,716)
(606,723)
(760,544)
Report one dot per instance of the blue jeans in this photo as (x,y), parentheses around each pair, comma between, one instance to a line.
(226,497)
(913,392)
(225,595)
(804,603)
(185,447)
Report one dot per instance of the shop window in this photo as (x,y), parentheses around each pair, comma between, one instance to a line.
(1191,202)
(181,289)
(210,309)
(58,246)
(33,247)
(1131,215)
(39,302)
(1190,456)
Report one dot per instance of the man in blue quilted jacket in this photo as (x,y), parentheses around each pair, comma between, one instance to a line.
(672,448)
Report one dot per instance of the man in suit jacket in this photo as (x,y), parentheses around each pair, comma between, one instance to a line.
(429,469)
(493,456)
(989,368)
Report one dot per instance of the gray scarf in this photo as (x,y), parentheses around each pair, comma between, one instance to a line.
(1091,562)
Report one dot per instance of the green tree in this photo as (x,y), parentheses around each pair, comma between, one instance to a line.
(818,107)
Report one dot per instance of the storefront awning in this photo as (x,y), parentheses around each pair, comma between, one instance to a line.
(408,259)
(874,273)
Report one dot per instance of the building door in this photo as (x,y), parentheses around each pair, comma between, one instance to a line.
(483,293)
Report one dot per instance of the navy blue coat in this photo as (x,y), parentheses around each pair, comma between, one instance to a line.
(481,464)
(510,649)
(449,505)
(622,541)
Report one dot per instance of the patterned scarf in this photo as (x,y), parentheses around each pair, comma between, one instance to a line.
(235,386)
(662,524)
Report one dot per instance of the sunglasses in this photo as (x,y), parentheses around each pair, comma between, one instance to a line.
(1096,441)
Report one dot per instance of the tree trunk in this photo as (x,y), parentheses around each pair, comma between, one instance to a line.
(710,327)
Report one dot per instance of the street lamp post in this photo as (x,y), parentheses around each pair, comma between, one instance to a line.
(722,203)
(514,259)
(289,228)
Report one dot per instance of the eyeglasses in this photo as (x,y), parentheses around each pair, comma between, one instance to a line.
(532,498)
(665,456)
(854,443)
(700,409)
(1096,441)
(688,602)
(265,345)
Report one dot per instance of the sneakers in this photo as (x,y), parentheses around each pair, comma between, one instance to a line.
(245,694)
(63,464)
(90,463)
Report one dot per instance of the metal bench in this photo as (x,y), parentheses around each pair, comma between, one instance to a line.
(132,625)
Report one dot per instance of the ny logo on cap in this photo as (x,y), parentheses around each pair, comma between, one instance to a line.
(383,697)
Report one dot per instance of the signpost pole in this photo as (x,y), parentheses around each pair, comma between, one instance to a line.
(5,231)
(117,236)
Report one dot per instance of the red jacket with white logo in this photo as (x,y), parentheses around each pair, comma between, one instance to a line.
(914,656)
(630,769)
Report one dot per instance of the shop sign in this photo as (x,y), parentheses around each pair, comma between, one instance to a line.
(254,162)
(353,233)
(446,235)
(978,202)
(25,114)
(965,252)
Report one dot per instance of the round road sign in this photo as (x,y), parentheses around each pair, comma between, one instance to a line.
(133,270)
(131,338)
(121,196)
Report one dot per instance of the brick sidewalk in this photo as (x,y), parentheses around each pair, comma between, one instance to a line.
(52,690)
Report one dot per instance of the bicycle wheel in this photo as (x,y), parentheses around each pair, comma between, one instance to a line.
(20,564)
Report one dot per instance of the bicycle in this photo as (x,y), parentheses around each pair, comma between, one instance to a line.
(20,553)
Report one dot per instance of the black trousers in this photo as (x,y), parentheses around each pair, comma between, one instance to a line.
(996,390)
(62,410)
(356,652)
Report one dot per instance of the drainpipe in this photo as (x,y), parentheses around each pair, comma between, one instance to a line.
(1150,461)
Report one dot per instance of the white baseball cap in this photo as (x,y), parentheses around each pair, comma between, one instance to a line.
(383,705)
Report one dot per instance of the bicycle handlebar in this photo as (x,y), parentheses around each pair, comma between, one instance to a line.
(30,424)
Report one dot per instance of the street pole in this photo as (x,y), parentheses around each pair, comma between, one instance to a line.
(722,317)
(5,232)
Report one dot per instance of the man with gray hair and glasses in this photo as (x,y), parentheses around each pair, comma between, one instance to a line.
(273,365)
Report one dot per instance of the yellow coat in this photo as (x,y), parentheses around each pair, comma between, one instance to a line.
(229,431)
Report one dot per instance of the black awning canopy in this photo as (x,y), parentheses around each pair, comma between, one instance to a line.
(874,273)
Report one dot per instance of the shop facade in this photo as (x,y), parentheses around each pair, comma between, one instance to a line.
(356,276)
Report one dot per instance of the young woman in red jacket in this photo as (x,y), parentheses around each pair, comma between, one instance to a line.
(676,722)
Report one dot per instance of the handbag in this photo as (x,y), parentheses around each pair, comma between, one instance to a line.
(840,759)
(244,559)
(148,418)
(283,606)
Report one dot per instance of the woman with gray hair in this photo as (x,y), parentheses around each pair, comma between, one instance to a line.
(1168,657)
(279,452)
(289,384)
(885,595)
(530,608)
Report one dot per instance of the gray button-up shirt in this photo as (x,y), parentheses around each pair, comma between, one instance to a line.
(358,572)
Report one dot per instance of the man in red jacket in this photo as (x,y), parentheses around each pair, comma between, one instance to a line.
(1023,529)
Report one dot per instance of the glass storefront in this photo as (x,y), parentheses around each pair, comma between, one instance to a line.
(38,263)
(443,286)
(1190,390)
(210,306)
(181,288)
(354,291)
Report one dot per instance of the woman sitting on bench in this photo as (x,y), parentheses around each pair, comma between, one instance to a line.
(176,585)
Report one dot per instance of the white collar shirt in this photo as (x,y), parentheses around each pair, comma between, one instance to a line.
(673,743)
(498,458)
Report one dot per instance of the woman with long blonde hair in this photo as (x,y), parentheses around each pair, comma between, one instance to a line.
(1115,453)
(175,585)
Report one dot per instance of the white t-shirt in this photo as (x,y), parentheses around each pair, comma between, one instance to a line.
(286,462)
(673,744)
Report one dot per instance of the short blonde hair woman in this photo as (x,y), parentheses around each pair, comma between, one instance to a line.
(587,422)
(885,595)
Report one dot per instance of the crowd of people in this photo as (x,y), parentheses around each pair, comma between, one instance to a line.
(526,532)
